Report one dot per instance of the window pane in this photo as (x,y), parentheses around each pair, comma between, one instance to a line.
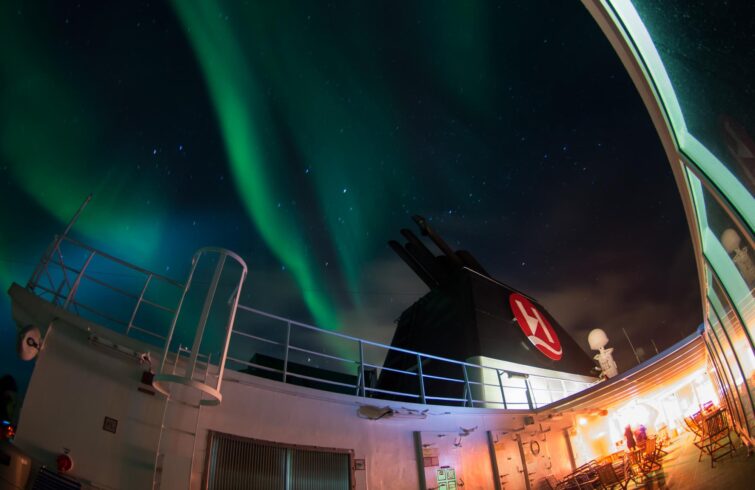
(707,47)
(730,332)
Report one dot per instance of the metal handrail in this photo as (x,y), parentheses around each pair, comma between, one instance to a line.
(67,291)
(473,382)
(469,383)
(120,261)
(377,344)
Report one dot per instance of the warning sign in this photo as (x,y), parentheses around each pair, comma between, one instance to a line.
(535,326)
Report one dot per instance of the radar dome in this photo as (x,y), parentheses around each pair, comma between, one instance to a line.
(597,339)
(730,239)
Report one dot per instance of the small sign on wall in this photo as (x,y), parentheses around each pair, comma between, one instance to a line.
(359,464)
(110,425)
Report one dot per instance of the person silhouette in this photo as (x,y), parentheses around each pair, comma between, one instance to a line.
(631,444)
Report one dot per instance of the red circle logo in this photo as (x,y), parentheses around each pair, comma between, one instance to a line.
(535,326)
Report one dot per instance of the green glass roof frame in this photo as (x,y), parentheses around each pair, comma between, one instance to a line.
(696,169)
(694,166)
(698,155)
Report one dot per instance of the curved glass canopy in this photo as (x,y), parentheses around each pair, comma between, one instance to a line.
(691,62)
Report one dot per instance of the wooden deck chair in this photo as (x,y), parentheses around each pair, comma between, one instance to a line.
(659,443)
(650,458)
(716,440)
(609,478)
(631,467)
(695,429)
(549,483)
(588,476)
(568,483)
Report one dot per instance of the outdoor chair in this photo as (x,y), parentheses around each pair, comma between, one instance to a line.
(609,478)
(659,443)
(651,458)
(583,478)
(695,429)
(716,438)
(548,483)
(567,483)
(630,468)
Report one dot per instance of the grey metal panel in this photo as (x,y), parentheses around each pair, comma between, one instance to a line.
(237,463)
(319,470)
(240,463)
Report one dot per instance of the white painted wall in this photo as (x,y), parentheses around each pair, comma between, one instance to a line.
(76,384)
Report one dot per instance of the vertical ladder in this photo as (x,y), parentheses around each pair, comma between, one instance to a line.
(196,408)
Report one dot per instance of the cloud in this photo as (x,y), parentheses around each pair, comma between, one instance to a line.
(625,299)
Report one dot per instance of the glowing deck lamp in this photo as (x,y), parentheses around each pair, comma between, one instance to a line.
(598,339)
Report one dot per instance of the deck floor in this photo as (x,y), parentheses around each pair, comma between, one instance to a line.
(681,470)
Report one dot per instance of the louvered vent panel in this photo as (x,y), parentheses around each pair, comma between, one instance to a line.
(242,463)
(318,470)
(49,480)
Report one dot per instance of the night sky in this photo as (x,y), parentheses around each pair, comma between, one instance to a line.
(303,135)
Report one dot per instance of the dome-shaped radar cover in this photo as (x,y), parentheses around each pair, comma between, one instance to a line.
(597,338)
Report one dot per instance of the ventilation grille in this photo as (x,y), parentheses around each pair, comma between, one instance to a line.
(237,462)
(48,480)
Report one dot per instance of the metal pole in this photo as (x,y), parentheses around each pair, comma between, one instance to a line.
(523,458)
(78,213)
(205,313)
(733,350)
(631,345)
(421,380)
(229,327)
(570,450)
(76,283)
(494,462)
(285,354)
(56,243)
(361,369)
(42,266)
(178,312)
(530,396)
(500,384)
(467,387)
(138,303)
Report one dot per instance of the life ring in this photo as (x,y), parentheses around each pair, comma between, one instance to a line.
(534,447)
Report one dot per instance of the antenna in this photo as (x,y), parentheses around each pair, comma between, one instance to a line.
(78,213)
(56,243)
(630,345)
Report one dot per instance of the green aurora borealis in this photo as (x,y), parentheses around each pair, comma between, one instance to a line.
(303,135)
